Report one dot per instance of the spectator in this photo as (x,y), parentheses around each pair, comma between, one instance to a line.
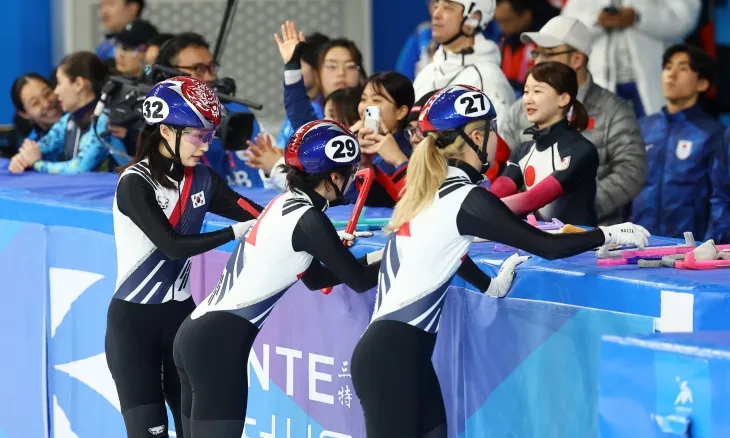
(131,46)
(628,42)
(558,167)
(340,106)
(190,53)
(309,54)
(515,17)
(418,50)
(465,56)
(612,126)
(71,145)
(688,175)
(34,101)
(115,15)
(153,47)
(387,152)
(413,132)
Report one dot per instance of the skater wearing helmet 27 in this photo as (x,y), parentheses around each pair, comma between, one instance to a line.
(292,239)
(434,225)
(160,203)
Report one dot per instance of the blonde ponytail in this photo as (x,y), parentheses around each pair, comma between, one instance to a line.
(427,170)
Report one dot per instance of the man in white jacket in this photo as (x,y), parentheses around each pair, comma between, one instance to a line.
(629,37)
(465,56)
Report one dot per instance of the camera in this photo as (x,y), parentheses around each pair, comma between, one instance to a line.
(124,95)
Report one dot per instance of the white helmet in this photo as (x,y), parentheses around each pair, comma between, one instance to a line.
(485,7)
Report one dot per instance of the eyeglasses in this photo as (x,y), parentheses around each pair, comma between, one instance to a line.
(198,137)
(130,50)
(200,69)
(539,54)
(349,66)
(413,132)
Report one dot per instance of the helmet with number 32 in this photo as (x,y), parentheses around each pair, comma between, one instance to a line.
(321,146)
(182,102)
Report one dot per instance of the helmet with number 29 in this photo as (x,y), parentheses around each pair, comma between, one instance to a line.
(321,146)
(182,102)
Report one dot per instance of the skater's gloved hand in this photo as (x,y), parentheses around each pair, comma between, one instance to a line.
(499,286)
(349,239)
(240,228)
(626,234)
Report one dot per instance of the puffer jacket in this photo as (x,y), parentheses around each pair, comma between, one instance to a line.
(687,174)
(615,132)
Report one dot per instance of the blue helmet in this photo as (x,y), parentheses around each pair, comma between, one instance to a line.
(184,102)
(454,107)
(321,146)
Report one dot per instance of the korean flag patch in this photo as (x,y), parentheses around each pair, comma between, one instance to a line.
(198,199)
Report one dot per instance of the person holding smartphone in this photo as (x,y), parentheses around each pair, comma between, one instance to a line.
(384,107)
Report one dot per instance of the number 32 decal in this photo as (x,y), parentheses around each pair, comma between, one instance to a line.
(155,109)
(472,104)
(342,149)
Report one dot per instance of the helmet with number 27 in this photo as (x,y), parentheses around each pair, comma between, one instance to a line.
(455,107)
(182,102)
(321,146)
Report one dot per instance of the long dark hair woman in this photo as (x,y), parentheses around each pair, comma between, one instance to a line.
(70,145)
(434,225)
(293,239)
(160,203)
(557,170)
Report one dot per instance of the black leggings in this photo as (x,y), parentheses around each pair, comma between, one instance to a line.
(396,382)
(211,355)
(139,340)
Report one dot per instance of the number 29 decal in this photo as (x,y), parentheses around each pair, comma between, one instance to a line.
(472,104)
(342,149)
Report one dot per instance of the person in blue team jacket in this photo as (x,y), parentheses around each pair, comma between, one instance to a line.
(71,146)
(687,183)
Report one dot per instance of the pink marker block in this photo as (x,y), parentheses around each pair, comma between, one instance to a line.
(612,262)
(532,220)
(691,263)
(656,252)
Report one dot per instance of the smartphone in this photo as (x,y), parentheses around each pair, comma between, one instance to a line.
(610,10)
(372,119)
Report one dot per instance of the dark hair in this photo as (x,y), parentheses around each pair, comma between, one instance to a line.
(160,39)
(699,61)
(88,66)
(398,86)
(20,83)
(148,146)
(172,47)
(520,6)
(562,79)
(312,45)
(347,45)
(140,3)
(299,180)
(345,101)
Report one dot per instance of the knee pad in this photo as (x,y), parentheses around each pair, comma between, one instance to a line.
(146,421)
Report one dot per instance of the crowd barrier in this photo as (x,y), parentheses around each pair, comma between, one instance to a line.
(525,366)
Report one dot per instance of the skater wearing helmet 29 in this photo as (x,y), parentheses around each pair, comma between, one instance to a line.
(434,224)
(558,168)
(292,239)
(159,207)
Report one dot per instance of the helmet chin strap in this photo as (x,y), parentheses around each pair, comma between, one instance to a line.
(459,34)
(176,153)
(340,195)
(481,152)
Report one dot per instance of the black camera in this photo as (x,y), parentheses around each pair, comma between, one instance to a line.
(123,96)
